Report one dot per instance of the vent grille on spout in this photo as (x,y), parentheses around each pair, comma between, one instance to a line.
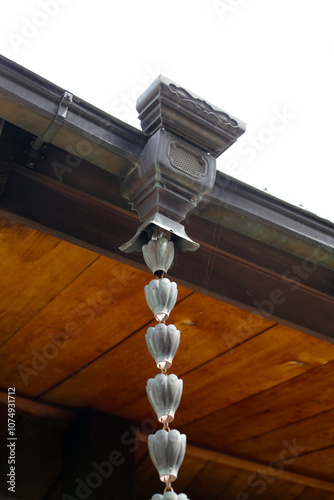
(185,160)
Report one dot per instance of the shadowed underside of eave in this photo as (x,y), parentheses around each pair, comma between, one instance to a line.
(241,259)
(72,334)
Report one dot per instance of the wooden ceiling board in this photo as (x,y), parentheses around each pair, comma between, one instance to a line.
(311,434)
(193,467)
(122,381)
(278,406)
(232,376)
(261,362)
(272,489)
(253,469)
(213,480)
(99,309)
(249,384)
(34,269)
(315,494)
(147,479)
(318,463)
(235,483)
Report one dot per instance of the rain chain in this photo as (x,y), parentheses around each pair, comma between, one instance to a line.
(166,447)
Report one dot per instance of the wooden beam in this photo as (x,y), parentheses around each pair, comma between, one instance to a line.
(38,409)
(251,466)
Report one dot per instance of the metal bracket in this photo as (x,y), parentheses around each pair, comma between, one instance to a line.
(51,131)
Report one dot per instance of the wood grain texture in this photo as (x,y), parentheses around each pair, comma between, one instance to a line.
(311,433)
(315,494)
(240,373)
(249,384)
(255,474)
(318,463)
(226,483)
(95,312)
(127,367)
(273,489)
(269,470)
(213,479)
(281,405)
(147,481)
(235,484)
(35,268)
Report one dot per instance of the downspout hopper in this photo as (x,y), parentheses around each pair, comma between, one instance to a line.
(178,164)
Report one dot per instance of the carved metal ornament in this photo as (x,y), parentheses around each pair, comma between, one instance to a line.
(161,297)
(164,393)
(162,342)
(177,166)
(159,255)
(170,495)
(167,105)
(203,106)
(167,450)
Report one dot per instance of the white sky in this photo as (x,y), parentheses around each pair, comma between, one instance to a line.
(267,62)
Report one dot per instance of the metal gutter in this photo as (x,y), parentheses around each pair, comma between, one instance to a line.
(235,205)
(31,102)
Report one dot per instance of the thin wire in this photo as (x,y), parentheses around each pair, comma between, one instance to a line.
(215,239)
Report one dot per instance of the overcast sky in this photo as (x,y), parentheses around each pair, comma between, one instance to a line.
(267,62)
